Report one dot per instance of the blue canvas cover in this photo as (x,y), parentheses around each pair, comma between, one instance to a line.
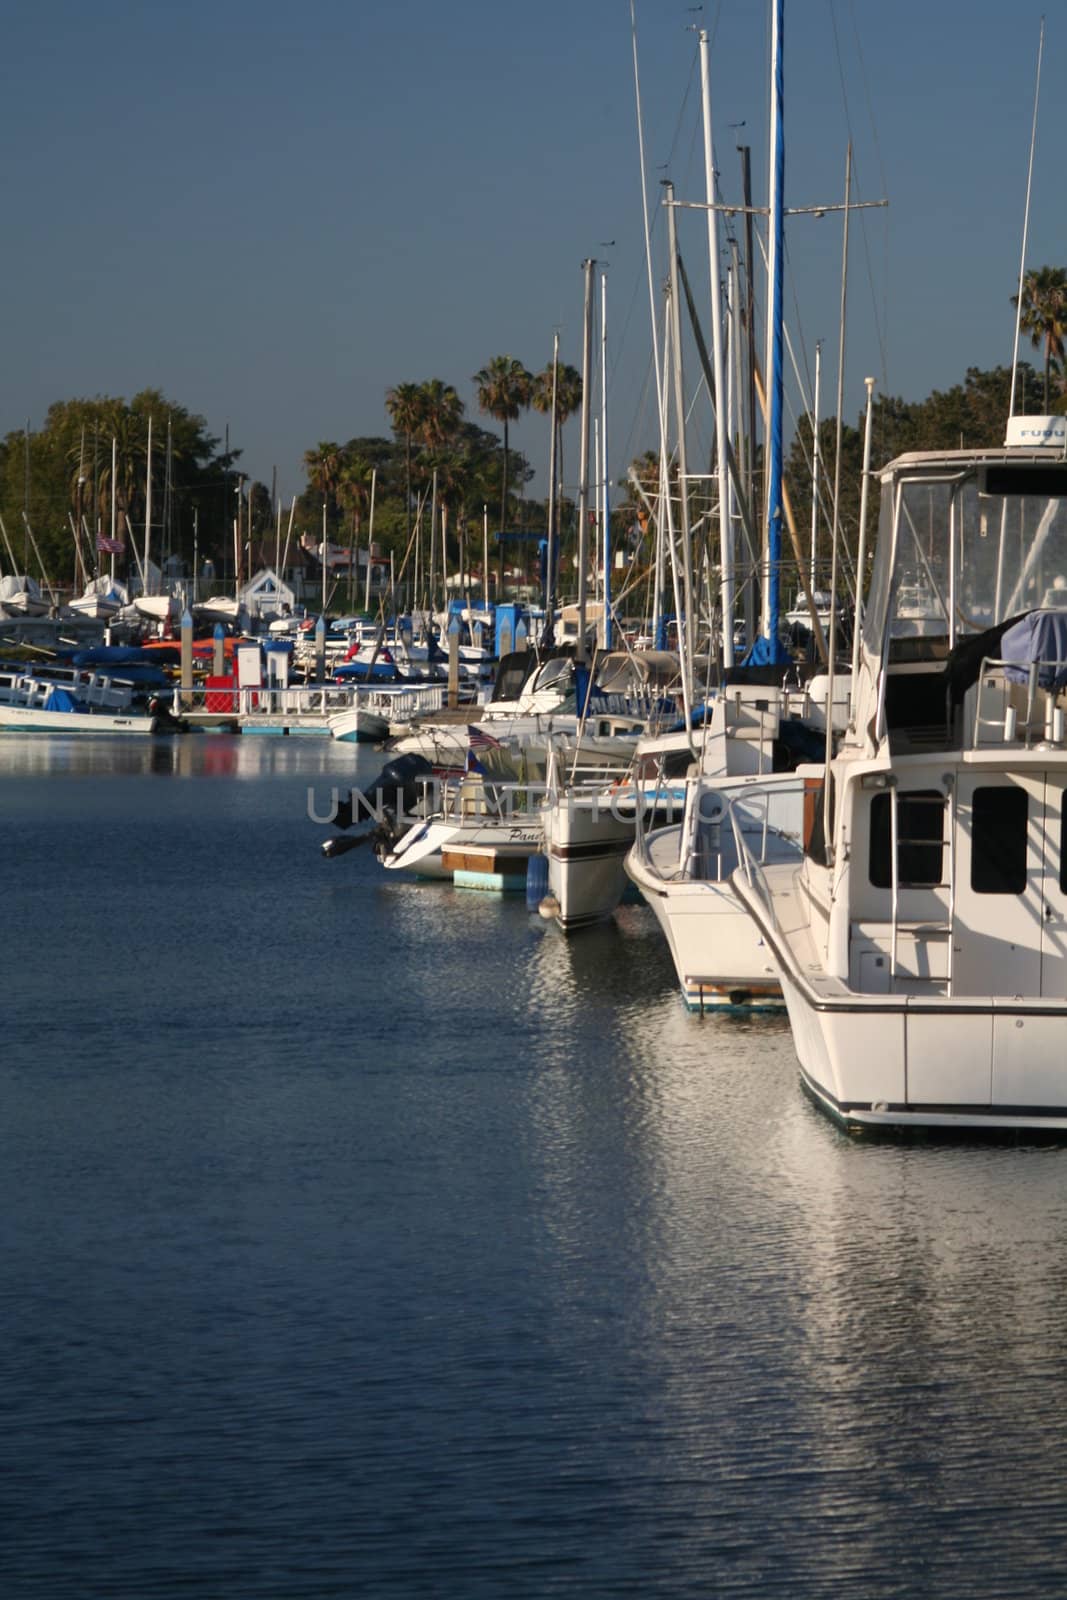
(1039,636)
(60,700)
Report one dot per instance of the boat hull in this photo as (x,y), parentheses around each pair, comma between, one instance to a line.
(586,846)
(34,719)
(719,956)
(922,1062)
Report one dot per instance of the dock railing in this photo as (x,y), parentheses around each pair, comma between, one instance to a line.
(309,701)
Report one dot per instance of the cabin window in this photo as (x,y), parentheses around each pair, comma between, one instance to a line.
(920,839)
(998,840)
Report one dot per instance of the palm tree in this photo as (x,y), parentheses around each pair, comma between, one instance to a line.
(645,468)
(568,400)
(503,391)
(1044,314)
(442,412)
(353,494)
(405,407)
(323,466)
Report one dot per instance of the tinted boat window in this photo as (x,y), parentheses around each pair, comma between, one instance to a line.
(998,840)
(920,838)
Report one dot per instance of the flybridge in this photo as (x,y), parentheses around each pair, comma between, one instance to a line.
(1031,432)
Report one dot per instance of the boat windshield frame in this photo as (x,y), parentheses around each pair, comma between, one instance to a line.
(961,549)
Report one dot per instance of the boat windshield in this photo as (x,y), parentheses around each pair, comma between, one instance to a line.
(958,553)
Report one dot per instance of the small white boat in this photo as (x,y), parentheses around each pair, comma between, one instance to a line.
(472,814)
(84,703)
(375,710)
(683,873)
(103,599)
(21,596)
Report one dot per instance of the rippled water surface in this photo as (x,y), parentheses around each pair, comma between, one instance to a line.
(363,1237)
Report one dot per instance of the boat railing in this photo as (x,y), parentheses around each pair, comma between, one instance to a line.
(767,826)
(1020,703)
(651,802)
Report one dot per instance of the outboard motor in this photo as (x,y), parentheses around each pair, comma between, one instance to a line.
(395,793)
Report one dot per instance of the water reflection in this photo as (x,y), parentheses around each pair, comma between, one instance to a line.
(192,755)
(339,1202)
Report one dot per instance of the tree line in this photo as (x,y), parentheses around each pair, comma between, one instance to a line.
(56,482)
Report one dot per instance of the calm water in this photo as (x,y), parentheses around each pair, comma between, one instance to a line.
(368,1238)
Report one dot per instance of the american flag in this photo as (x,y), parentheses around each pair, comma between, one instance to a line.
(113,547)
(480,740)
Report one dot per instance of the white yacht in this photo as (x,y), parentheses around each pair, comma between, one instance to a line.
(921,942)
(751,729)
(683,870)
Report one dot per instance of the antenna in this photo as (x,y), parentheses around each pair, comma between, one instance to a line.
(1026,225)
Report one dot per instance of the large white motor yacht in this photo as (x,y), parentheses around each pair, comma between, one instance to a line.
(921,943)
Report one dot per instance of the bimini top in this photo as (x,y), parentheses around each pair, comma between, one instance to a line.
(961,460)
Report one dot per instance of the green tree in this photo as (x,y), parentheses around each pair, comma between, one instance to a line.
(1044,316)
(353,493)
(503,392)
(404,405)
(568,385)
(442,413)
(323,467)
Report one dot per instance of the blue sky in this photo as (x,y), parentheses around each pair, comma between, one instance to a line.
(273,213)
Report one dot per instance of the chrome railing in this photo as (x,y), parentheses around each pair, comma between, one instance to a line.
(1020,703)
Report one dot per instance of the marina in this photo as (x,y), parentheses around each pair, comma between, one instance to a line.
(489,1301)
(535,993)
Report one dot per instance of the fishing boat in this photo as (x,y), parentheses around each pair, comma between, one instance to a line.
(921,942)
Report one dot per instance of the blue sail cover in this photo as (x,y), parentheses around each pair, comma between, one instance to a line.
(1039,636)
(767,652)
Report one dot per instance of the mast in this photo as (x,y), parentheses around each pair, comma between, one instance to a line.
(588,268)
(550,551)
(148,505)
(606,497)
(1026,224)
(114,502)
(685,642)
(815,467)
(726,565)
(370,535)
(831,643)
(775,262)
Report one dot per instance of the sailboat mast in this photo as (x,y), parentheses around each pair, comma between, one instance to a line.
(685,623)
(606,500)
(370,535)
(550,550)
(1026,224)
(815,467)
(114,501)
(588,267)
(726,565)
(775,262)
(148,504)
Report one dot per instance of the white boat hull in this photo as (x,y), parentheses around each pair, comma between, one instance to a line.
(586,844)
(359,726)
(36,719)
(719,956)
(921,1061)
(422,849)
